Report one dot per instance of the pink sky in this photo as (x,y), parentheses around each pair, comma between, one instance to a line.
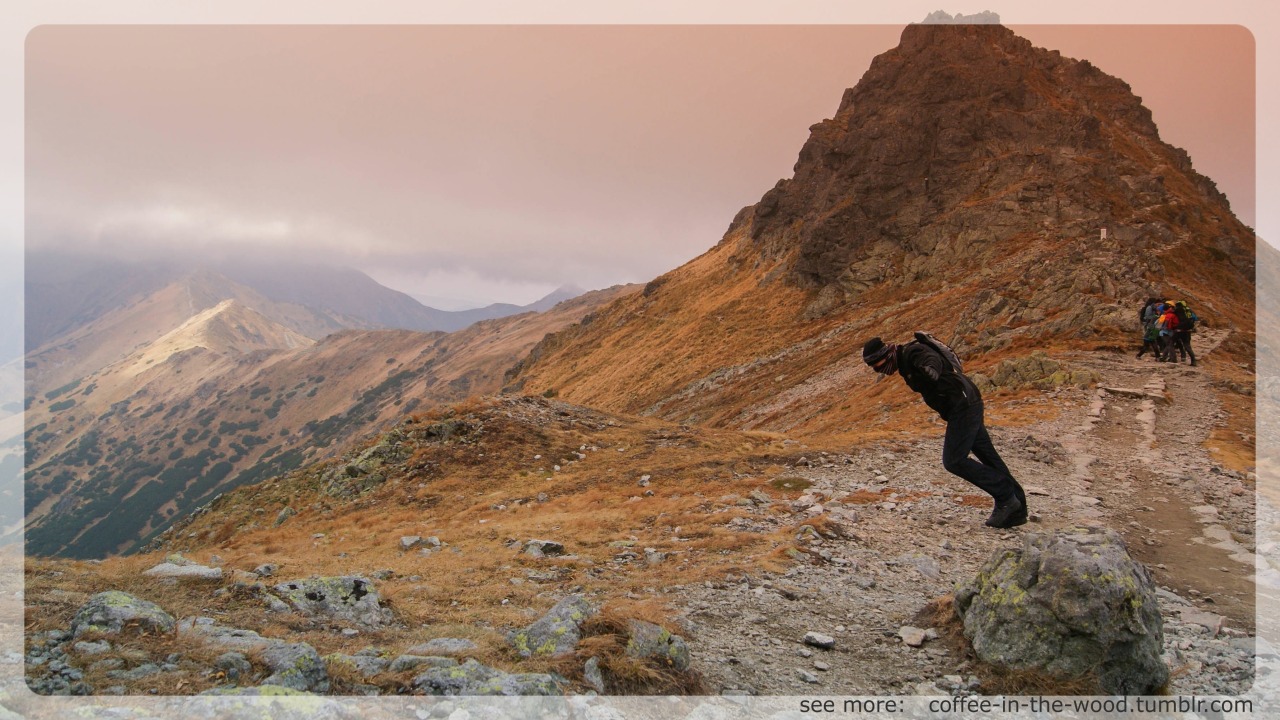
(493,163)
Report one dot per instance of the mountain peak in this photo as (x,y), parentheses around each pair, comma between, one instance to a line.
(229,327)
(969,130)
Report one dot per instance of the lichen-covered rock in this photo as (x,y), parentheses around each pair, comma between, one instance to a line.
(114,612)
(1071,605)
(658,645)
(343,598)
(366,665)
(473,678)
(1036,370)
(297,666)
(555,634)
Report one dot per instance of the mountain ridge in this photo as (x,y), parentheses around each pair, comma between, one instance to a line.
(116,453)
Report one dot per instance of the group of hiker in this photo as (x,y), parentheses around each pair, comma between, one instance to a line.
(1166,330)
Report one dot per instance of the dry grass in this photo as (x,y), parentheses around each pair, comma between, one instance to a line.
(480,583)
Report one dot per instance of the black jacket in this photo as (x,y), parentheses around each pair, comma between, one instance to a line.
(951,390)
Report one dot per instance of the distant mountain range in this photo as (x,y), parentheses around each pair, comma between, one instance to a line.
(66,292)
(151,385)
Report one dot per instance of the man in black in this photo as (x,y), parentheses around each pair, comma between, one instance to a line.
(954,397)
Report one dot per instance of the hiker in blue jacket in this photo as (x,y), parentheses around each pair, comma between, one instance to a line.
(956,399)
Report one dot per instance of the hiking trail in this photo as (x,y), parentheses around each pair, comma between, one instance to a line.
(1127,454)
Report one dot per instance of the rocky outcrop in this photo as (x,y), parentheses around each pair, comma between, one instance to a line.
(962,139)
(1072,606)
(1036,370)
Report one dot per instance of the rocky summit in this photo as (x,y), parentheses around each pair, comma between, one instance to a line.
(965,137)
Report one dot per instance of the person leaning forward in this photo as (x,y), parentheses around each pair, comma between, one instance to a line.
(954,397)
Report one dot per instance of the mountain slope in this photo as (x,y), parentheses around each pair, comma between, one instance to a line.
(963,186)
(112,457)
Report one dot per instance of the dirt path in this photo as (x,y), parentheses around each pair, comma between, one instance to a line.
(1128,455)
(1179,513)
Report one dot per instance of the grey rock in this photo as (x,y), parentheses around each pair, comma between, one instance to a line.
(912,636)
(112,612)
(284,515)
(818,640)
(543,548)
(1071,604)
(92,648)
(265,570)
(297,666)
(473,678)
(555,634)
(106,664)
(234,665)
(191,570)
(658,645)
(413,662)
(342,598)
(592,676)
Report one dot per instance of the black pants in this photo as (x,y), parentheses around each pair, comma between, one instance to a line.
(967,433)
(1182,340)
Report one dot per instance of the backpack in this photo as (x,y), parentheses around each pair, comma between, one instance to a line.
(1191,318)
(941,348)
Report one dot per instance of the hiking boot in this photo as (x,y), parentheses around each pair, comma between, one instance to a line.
(1007,514)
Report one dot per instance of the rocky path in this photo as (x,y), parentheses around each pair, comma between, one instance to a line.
(1128,454)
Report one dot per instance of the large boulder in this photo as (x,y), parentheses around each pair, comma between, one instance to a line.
(114,612)
(342,598)
(555,634)
(1072,606)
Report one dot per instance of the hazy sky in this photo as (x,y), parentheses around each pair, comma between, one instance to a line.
(494,163)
